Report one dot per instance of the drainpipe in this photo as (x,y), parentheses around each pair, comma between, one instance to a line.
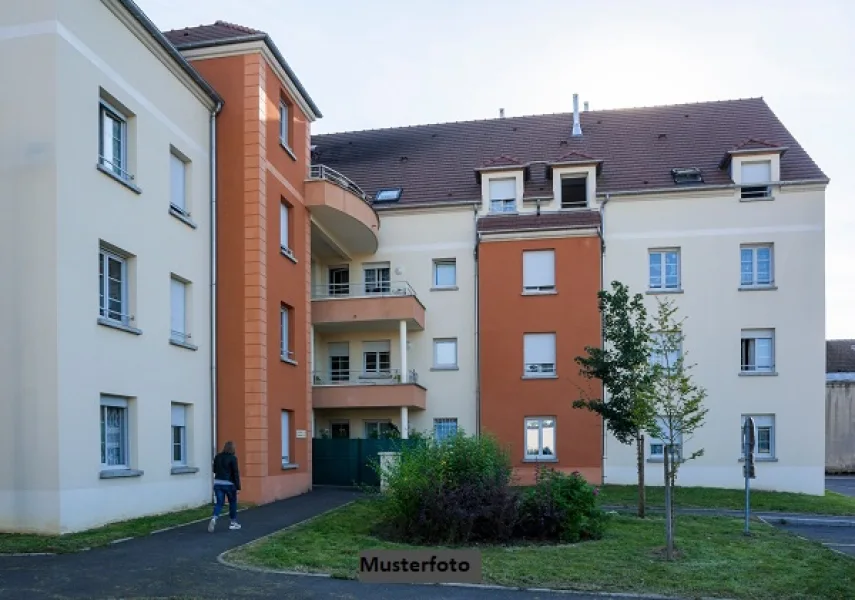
(477,341)
(603,286)
(213,264)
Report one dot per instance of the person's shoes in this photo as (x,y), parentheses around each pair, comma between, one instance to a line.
(212,524)
(234,525)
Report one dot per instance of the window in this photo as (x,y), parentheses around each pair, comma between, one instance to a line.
(179,434)
(285,333)
(178,187)
(755,179)
(340,429)
(657,445)
(339,356)
(444,428)
(503,195)
(539,438)
(113,144)
(758,350)
(285,230)
(339,281)
(539,351)
(178,298)
(445,354)
(756,265)
(764,438)
(664,269)
(284,123)
(538,270)
(114,432)
(667,360)
(287,459)
(444,273)
(376,278)
(574,192)
(388,195)
(378,429)
(376,358)
(684,176)
(113,286)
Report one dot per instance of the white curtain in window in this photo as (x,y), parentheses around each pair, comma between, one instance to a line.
(503,189)
(539,348)
(539,269)
(178,172)
(178,294)
(756,172)
(446,274)
(283,332)
(179,415)
(283,226)
(445,352)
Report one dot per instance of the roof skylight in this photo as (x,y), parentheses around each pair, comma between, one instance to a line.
(690,175)
(388,195)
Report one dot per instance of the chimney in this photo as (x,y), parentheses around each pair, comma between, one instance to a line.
(577,128)
(586,106)
(501,113)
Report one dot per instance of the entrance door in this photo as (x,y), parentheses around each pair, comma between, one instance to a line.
(339,281)
(339,356)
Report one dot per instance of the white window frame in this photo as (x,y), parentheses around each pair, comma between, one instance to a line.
(538,271)
(181,335)
(179,422)
(105,255)
(753,249)
(753,189)
(542,423)
(437,343)
(656,446)
(120,404)
(661,256)
(379,285)
(375,424)
(535,368)
(285,229)
(284,333)
(119,167)
(444,263)
(377,348)
(284,123)
(756,334)
(577,177)
(178,184)
(766,421)
(446,424)
(501,203)
(285,420)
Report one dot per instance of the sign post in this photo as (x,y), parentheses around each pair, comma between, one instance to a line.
(748,441)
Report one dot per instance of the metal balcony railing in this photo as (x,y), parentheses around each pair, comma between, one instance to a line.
(363,377)
(363,290)
(325,173)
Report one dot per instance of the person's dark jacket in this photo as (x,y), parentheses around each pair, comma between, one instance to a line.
(226,468)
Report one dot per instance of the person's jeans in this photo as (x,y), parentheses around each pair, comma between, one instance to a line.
(221,492)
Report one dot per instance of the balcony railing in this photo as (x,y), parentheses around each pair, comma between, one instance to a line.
(362,377)
(380,289)
(323,172)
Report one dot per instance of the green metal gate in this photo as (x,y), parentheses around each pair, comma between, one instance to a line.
(348,462)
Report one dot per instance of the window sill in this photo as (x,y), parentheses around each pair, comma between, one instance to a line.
(539,460)
(181,470)
(112,175)
(661,292)
(288,253)
(182,217)
(758,459)
(450,288)
(119,326)
(290,361)
(181,344)
(758,373)
(539,292)
(757,288)
(287,149)
(762,199)
(536,377)
(445,368)
(290,466)
(117,473)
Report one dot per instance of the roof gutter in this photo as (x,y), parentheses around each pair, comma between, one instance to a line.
(704,188)
(150,27)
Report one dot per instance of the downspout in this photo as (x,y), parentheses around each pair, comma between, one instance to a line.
(477,341)
(603,287)
(213,274)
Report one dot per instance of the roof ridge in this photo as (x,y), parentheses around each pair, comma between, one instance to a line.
(243,28)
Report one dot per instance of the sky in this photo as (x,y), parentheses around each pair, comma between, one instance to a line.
(376,63)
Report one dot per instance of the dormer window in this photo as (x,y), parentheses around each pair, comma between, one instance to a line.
(574,191)
(755,179)
(503,195)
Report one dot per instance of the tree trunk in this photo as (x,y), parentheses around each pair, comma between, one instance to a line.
(639,440)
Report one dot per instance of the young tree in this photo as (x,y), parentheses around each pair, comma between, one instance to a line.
(678,402)
(622,365)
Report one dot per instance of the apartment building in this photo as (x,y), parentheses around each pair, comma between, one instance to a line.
(104,396)
(714,205)
(263,259)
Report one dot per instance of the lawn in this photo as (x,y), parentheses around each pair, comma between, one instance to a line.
(695,497)
(717,559)
(11,543)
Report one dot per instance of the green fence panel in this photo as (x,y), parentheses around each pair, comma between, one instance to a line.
(350,462)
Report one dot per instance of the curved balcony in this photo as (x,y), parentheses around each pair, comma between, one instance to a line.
(378,306)
(342,210)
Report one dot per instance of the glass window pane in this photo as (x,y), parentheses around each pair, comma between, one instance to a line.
(532,440)
(445,274)
(747,266)
(549,437)
(764,265)
(764,440)
(655,270)
(671,270)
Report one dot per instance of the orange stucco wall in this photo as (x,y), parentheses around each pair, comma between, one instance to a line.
(505,315)
(254,279)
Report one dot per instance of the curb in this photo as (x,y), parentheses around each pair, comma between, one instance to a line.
(806,521)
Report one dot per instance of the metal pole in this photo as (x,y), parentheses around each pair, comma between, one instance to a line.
(747,472)
(668,538)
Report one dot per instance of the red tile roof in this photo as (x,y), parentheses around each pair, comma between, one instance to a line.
(638,147)
(500,161)
(577,219)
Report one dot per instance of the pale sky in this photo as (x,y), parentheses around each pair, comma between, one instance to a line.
(382,63)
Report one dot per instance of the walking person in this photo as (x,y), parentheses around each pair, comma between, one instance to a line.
(226,485)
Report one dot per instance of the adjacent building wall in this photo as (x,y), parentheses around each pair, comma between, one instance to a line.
(840,426)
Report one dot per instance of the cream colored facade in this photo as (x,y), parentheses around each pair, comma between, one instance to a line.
(411,242)
(708,228)
(63,357)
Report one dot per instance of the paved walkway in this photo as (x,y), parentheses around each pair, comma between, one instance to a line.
(842,484)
